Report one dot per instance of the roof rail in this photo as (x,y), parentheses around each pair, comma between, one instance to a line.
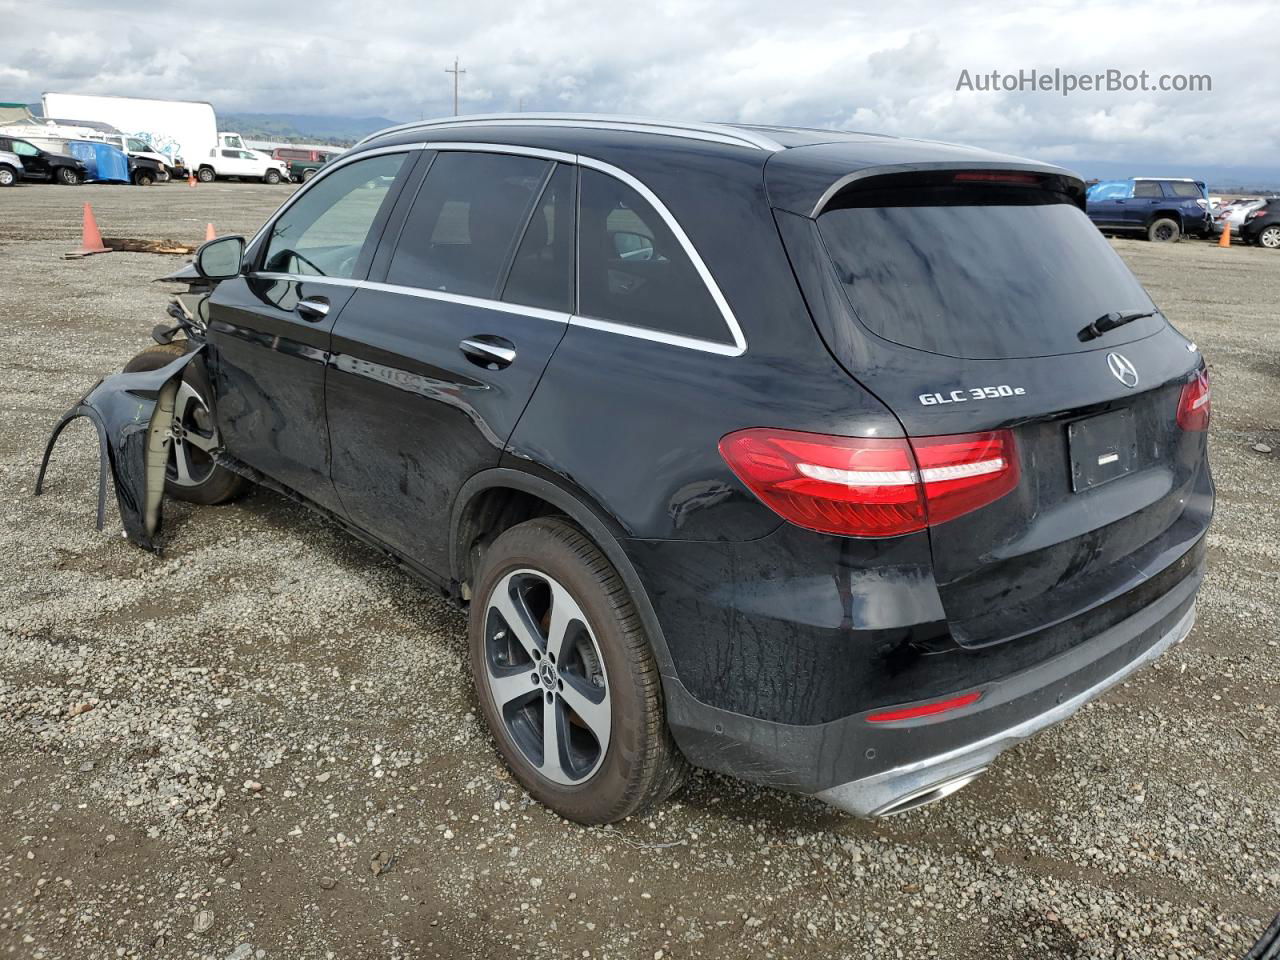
(713,132)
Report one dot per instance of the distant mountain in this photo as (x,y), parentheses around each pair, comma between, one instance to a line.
(1221,178)
(302,128)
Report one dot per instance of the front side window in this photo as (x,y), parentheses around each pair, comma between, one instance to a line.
(465,222)
(139,146)
(24,149)
(325,231)
(233,154)
(1111,190)
(633,270)
(1147,188)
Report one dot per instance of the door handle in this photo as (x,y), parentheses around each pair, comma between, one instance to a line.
(488,351)
(313,308)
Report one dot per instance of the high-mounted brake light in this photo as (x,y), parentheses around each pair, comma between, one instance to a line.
(1193,403)
(996,176)
(926,709)
(872,486)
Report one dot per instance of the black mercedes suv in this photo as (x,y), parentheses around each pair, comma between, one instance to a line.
(834,461)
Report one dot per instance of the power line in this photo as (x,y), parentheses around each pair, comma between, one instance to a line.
(455,71)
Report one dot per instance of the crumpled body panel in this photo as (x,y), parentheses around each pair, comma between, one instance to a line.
(133,413)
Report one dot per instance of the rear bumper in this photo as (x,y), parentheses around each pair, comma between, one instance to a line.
(931,778)
(875,769)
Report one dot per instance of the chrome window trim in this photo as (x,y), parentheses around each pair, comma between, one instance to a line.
(710,132)
(735,349)
(739,345)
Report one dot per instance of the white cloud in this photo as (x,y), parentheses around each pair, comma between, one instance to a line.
(890,67)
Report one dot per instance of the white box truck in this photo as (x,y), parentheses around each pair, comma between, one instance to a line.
(183,130)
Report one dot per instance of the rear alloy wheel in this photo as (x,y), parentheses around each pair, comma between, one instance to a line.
(1270,237)
(566,678)
(68,176)
(205,175)
(1164,230)
(8,176)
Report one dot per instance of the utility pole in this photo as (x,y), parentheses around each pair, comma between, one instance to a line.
(455,71)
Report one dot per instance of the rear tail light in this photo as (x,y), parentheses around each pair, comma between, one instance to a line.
(1261,211)
(1193,404)
(872,486)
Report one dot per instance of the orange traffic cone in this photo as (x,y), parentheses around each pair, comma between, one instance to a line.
(209,234)
(1225,239)
(191,179)
(90,237)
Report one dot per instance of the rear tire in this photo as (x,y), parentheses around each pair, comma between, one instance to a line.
(1164,230)
(307,175)
(191,475)
(205,175)
(8,175)
(542,586)
(142,179)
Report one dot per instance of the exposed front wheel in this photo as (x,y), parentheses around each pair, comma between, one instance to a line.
(1164,230)
(566,677)
(68,176)
(191,474)
(272,177)
(143,178)
(205,175)
(1270,237)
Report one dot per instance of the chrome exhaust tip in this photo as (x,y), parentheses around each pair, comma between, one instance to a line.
(928,795)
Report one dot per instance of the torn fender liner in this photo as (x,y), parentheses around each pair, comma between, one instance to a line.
(132,413)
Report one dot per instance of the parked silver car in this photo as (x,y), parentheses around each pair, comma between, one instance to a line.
(10,168)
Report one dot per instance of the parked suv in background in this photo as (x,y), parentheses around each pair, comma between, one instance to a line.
(836,462)
(10,168)
(1262,225)
(303,164)
(43,165)
(228,162)
(1163,209)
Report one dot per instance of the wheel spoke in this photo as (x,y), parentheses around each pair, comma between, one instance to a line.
(517,619)
(564,611)
(201,442)
(552,717)
(595,714)
(510,686)
(181,461)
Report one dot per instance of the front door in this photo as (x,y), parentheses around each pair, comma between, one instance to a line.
(269,329)
(432,367)
(33,162)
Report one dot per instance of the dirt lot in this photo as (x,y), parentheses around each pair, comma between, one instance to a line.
(265,743)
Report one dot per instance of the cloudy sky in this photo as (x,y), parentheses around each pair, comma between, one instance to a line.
(890,66)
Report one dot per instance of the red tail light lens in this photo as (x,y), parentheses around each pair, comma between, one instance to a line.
(926,709)
(871,487)
(1193,404)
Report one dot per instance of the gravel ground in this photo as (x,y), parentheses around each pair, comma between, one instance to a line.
(265,743)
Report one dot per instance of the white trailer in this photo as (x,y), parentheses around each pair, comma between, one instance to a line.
(180,129)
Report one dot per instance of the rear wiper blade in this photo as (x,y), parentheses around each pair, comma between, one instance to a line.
(1109,321)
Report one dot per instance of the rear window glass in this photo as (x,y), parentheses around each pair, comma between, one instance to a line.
(980,273)
(1184,189)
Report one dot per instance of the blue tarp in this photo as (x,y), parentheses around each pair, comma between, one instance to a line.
(103,161)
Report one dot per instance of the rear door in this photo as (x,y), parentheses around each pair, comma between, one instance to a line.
(1148,197)
(966,302)
(269,329)
(434,361)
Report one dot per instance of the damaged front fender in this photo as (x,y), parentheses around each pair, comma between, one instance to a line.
(133,414)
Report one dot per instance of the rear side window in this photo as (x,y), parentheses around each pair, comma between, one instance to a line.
(979,272)
(1186,190)
(325,231)
(542,272)
(1147,188)
(465,222)
(633,270)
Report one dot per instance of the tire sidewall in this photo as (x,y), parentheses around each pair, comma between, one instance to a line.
(67,177)
(1274,230)
(8,176)
(205,175)
(597,799)
(1173,238)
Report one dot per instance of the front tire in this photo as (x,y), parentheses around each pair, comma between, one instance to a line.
(566,677)
(191,474)
(68,176)
(272,177)
(205,175)
(1269,237)
(1164,230)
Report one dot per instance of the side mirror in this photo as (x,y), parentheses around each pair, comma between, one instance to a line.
(220,259)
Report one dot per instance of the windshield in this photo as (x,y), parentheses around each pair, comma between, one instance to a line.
(981,280)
